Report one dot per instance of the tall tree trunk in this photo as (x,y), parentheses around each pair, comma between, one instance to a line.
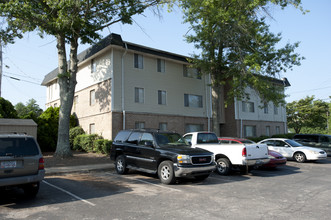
(67,82)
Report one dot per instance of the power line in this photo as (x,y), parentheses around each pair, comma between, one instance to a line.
(309,90)
(17,79)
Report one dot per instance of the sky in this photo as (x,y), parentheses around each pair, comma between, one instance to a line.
(26,62)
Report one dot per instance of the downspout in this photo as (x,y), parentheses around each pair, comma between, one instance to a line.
(123,105)
(210,103)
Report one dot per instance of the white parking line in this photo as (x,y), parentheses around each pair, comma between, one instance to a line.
(69,193)
(143,181)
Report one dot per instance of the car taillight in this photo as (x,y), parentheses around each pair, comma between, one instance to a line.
(244,153)
(41,164)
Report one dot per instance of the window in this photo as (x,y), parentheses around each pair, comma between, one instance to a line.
(267,131)
(193,101)
(139,125)
(146,137)
(163,126)
(193,127)
(275,109)
(191,72)
(134,137)
(266,109)
(139,95)
(277,130)
(93,66)
(247,106)
(138,61)
(162,97)
(250,131)
(92,128)
(161,65)
(92,97)
(122,136)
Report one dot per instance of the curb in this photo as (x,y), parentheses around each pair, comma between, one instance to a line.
(72,169)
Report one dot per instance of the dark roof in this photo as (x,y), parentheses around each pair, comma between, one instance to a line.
(114,39)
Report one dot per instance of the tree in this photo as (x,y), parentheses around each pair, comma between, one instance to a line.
(307,113)
(68,21)
(7,110)
(31,110)
(237,48)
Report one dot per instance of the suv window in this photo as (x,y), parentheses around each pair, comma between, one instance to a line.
(18,147)
(134,137)
(122,136)
(146,137)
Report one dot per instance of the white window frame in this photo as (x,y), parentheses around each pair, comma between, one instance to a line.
(92,128)
(266,108)
(162,97)
(194,101)
(248,106)
(139,95)
(275,109)
(163,126)
(139,125)
(92,97)
(93,66)
(160,65)
(250,130)
(138,61)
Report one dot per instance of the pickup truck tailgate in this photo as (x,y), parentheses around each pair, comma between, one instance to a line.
(256,151)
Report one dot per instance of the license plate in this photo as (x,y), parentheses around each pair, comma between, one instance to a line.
(258,161)
(8,164)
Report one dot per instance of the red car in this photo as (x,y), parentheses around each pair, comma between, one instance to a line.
(276,159)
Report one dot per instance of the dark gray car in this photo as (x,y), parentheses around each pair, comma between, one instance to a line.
(21,163)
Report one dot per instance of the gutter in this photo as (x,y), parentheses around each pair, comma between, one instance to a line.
(123,104)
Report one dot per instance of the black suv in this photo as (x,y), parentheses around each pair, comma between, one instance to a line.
(164,153)
(21,163)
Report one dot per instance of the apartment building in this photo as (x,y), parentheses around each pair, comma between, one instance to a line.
(121,85)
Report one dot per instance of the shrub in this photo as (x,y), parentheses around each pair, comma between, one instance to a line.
(74,132)
(77,146)
(85,142)
(103,146)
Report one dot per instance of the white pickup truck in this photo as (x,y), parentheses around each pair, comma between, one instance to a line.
(228,156)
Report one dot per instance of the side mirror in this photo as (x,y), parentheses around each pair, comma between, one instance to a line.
(149,144)
(286,145)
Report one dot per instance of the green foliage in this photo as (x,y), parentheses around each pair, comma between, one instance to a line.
(307,113)
(48,123)
(85,142)
(103,146)
(73,133)
(47,129)
(7,110)
(29,111)
(237,47)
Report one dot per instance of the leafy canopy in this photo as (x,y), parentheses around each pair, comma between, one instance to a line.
(82,18)
(237,47)
(307,113)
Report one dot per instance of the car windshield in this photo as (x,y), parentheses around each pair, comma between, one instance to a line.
(247,142)
(293,143)
(166,139)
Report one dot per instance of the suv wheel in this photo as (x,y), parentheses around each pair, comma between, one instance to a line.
(31,189)
(166,172)
(120,165)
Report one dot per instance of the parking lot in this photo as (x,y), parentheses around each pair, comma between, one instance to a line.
(295,191)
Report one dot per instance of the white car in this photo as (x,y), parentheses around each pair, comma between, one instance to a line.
(292,149)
